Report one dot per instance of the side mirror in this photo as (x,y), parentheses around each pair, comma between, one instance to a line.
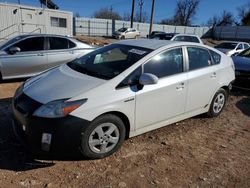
(14,50)
(148,79)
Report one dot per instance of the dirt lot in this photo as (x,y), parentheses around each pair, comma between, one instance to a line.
(197,152)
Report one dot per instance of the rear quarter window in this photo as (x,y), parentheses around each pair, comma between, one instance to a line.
(216,57)
(195,39)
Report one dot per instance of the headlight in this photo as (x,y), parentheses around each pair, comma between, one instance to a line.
(58,108)
(19,90)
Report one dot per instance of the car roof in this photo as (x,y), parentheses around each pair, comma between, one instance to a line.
(192,35)
(41,35)
(234,42)
(153,44)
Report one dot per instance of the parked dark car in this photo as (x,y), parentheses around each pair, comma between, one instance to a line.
(242,66)
(177,37)
(153,33)
(163,36)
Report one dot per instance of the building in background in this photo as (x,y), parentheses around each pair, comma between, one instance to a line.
(18,19)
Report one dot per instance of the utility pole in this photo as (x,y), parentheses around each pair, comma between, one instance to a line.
(141,2)
(132,13)
(111,8)
(19,2)
(152,16)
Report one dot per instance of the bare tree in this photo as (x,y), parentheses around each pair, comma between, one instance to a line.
(126,16)
(106,13)
(225,19)
(144,17)
(244,14)
(77,14)
(167,21)
(213,21)
(141,17)
(185,11)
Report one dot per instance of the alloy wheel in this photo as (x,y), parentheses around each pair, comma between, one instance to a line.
(104,138)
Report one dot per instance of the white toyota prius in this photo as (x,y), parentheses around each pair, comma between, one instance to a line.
(93,103)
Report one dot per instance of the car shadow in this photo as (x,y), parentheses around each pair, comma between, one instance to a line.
(13,156)
(244,105)
(240,91)
(12,80)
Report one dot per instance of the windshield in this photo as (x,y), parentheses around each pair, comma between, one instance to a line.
(227,45)
(245,53)
(10,41)
(109,61)
(122,29)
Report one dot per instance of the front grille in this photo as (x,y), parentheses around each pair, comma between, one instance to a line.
(25,105)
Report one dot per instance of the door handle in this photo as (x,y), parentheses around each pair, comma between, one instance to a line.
(71,52)
(213,75)
(180,86)
(40,54)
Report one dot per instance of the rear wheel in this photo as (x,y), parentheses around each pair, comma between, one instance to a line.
(218,103)
(103,137)
(1,78)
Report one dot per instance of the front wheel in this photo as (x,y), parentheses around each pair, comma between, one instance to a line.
(218,103)
(103,137)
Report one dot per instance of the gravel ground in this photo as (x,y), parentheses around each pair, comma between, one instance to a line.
(197,152)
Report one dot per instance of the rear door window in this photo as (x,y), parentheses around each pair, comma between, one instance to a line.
(198,58)
(194,39)
(57,43)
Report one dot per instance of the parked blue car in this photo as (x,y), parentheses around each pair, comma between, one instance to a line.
(242,66)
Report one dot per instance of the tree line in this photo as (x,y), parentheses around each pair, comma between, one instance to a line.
(184,15)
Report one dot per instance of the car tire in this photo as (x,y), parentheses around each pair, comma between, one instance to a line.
(122,37)
(1,78)
(218,103)
(102,137)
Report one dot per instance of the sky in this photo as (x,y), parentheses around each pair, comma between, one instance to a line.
(163,8)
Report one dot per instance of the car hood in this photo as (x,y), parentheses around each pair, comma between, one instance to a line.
(59,83)
(224,50)
(2,52)
(241,63)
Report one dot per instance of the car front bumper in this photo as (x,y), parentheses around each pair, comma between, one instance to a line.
(47,136)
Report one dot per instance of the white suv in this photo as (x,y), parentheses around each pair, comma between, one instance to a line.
(120,91)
